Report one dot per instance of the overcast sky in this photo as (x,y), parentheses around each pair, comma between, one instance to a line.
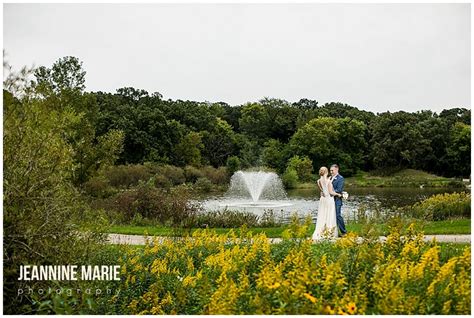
(376,57)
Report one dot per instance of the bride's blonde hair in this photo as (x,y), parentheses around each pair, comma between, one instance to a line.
(323,171)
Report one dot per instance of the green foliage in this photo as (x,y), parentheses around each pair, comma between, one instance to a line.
(188,150)
(458,152)
(125,176)
(274,155)
(422,140)
(250,152)
(254,121)
(43,212)
(232,164)
(175,175)
(219,142)
(328,140)
(165,206)
(203,184)
(290,178)
(192,174)
(61,88)
(264,133)
(216,175)
(65,76)
(98,187)
(303,167)
(226,219)
(443,207)
(401,178)
(232,219)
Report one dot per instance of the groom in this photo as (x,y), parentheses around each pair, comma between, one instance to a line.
(338,185)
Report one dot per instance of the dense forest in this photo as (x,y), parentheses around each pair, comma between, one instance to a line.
(138,127)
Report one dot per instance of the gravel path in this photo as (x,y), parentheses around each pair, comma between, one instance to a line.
(140,240)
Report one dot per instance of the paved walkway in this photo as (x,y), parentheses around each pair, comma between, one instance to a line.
(140,240)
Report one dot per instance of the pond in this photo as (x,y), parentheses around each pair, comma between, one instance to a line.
(305,201)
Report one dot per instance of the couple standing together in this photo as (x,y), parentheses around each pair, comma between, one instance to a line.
(330,222)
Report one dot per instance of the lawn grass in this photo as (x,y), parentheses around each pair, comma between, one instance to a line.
(402,178)
(459,226)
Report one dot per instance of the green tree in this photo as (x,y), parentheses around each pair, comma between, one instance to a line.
(327,140)
(249,151)
(43,212)
(219,143)
(303,167)
(62,89)
(459,150)
(273,155)
(233,165)
(290,178)
(397,140)
(188,150)
(282,117)
(254,121)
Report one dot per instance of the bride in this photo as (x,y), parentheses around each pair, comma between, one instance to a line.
(326,224)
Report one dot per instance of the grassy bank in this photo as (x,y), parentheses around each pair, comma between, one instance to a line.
(461,226)
(402,178)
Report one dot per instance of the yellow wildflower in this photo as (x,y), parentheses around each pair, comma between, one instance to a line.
(310,297)
(351,308)
(276,285)
(329,310)
(341,312)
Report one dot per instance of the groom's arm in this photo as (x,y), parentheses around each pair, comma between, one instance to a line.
(339,186)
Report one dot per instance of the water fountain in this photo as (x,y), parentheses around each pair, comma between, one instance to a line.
(259,191)
(257,184)
(256,189)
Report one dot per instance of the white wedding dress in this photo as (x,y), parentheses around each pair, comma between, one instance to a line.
(326,224)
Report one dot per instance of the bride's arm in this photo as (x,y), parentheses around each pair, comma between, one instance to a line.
(332,192)
(320,188)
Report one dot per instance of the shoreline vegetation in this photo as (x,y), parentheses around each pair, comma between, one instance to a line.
(406,178)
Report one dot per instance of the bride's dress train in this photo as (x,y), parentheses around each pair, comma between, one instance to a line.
(326,223)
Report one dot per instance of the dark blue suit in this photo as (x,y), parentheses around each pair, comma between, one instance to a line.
(338,185)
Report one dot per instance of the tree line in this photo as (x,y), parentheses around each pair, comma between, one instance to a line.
(142,127)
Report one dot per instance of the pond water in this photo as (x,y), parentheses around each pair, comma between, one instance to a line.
(305,201)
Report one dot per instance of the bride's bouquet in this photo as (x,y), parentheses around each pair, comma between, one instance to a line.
(345,195)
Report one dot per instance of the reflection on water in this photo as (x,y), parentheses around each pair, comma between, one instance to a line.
(305,201)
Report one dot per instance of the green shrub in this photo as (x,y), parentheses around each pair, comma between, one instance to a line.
(290,178)
(443,206)
(43,212)
(226,219)
(161,181)
(171,206)
(233,164)
(98,187)
(268,219)
(203,184)
(174,174)
(125,176)
(230,219)
(303,167)
(216,175)
(192,173)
